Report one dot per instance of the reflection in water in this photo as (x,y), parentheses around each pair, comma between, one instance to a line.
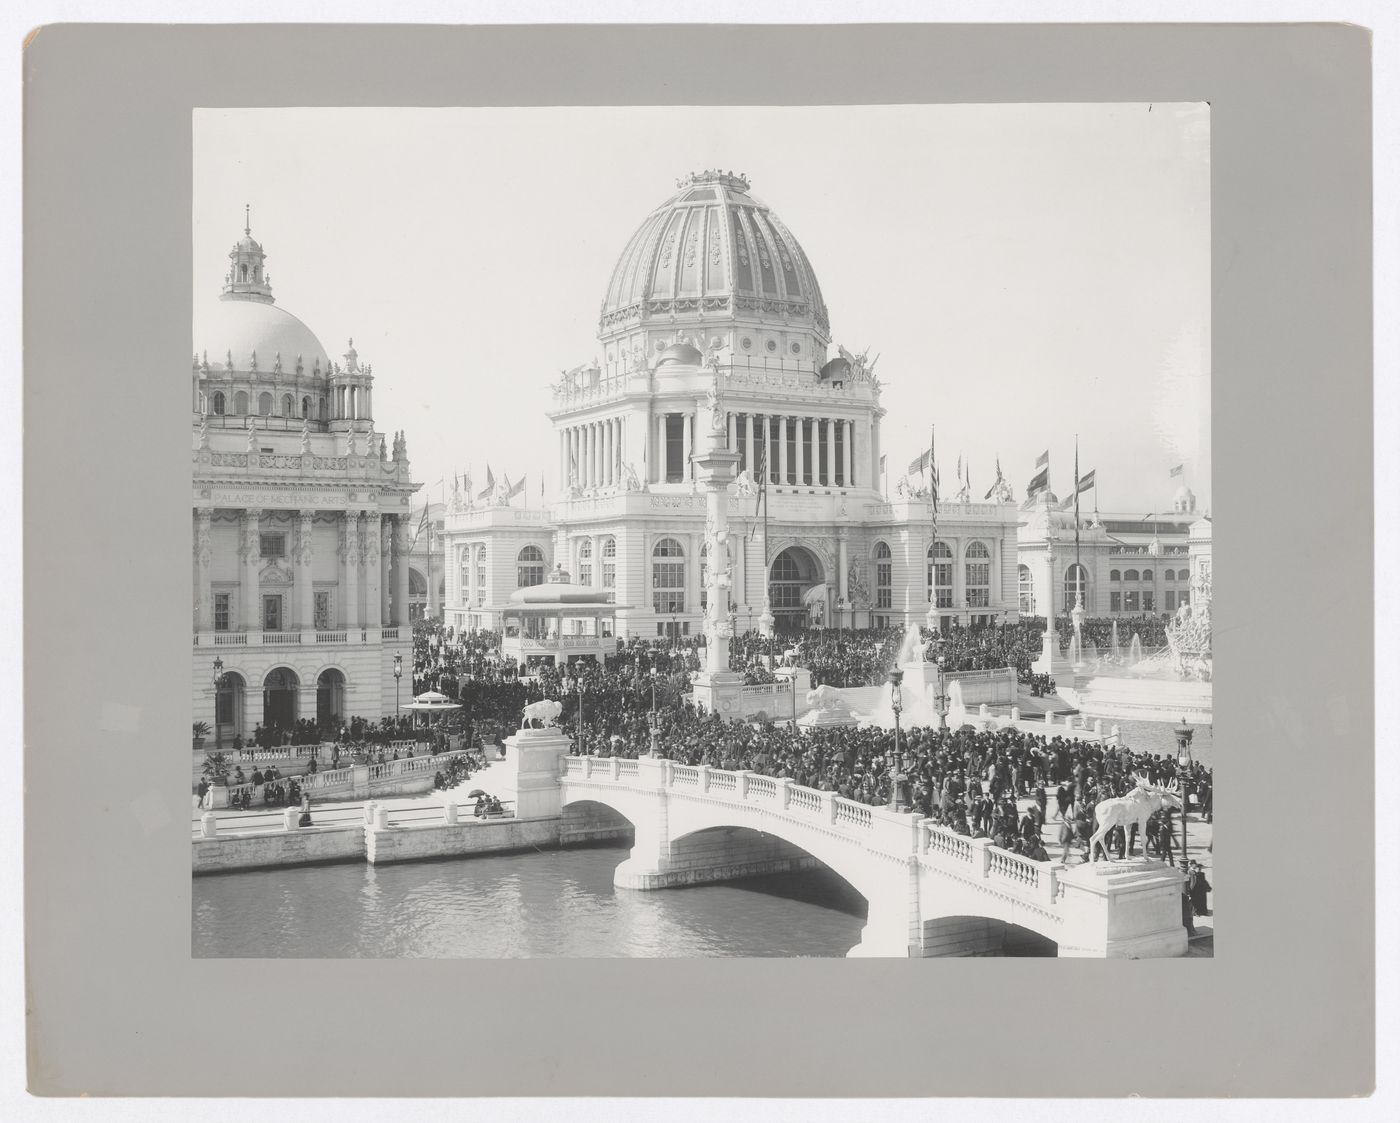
(560,903)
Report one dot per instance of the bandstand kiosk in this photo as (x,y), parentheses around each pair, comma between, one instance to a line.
(558,621)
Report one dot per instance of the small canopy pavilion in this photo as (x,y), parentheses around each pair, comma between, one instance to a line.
(559,622)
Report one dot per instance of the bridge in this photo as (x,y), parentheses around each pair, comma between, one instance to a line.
(929,890)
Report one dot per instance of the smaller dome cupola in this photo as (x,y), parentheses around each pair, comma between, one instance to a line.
(246,279)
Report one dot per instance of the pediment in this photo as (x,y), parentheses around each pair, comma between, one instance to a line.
(274,574)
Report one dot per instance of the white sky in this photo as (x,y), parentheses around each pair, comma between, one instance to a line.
(1024,272)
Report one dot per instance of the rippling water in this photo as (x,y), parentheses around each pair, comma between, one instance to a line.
(559,903)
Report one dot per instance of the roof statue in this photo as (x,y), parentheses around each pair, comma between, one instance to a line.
(744,487)
(715,399)
(306,435)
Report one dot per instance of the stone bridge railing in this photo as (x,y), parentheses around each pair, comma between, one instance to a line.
(888,832)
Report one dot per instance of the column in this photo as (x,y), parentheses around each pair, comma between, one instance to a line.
(403,544)
(830,480)
(386,576)
(782,450)
(685,446)
(250,552)
(301,568)
(595,549)
(875,451)
(767,446)
(612,450)
(733,432)
(801,451)
(749,462)
(657,460)
(370,551)
(849,453)
(350,570)
(959,584)
(203,556)
(563,459)
(842,570)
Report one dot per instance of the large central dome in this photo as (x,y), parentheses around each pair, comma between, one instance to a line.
(712,254)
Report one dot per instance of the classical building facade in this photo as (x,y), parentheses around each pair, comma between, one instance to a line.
(301,522)
(1125,564)
(713,298)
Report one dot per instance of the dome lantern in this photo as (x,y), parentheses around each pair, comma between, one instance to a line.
(246,279)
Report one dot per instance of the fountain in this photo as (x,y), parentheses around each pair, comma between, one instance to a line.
(1168,684)
(957,712)
(1115,651)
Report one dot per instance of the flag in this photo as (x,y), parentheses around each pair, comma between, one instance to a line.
(1177,471)
(1086,481)
(933,473)
(1041,480)
(762,479)
(918,465)
(490,488)
(960,468)
(514,489)
(883,469)
(993,488)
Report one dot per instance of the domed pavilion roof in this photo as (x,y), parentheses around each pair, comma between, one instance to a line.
(713,250)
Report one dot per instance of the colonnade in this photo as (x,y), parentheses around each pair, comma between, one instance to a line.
(591,453)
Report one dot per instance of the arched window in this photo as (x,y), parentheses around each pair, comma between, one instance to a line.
(306,407)
(610,562)
(480,576)
(585,562)
(667,577)
(1147,575)
(240,402)
(219,402)
(322,409)
(265,404)
(464,576)
(884,576)
(977,571)
(243,273)
(1025,588)
(940,575)
(1077,586)
(529,567)
(287,405)
(1131,575)
(1115,575)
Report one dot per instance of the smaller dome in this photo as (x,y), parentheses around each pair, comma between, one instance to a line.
(1184,493)
(681,353)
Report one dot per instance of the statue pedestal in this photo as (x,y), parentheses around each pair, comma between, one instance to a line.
(1051,662)
(530,772)
(1129,909)
(720,692)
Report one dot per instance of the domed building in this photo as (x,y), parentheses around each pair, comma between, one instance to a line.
(713,303)
(301,520)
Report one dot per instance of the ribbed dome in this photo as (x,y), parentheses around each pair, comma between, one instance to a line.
(713,251)
(244,326)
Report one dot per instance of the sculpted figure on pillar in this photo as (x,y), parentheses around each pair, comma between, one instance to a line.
(305,519)
(202,552)
(249,548)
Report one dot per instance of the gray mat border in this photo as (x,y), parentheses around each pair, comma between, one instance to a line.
(117,1006)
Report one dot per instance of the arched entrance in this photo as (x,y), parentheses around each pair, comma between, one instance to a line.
(280,698)
(796,590)
(330,696)
(228,706)
(417,595)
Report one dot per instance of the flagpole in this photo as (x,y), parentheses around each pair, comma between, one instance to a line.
(1078,569)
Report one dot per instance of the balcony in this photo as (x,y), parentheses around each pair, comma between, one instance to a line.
(335,637)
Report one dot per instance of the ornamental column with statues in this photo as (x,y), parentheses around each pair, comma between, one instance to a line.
(716,687)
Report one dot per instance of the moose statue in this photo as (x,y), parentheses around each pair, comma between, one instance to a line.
(1137,806)
(546,712)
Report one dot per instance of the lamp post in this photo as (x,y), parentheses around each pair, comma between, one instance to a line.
(792,681)
(942,693)
(578,679)
(1184,733)
(398,674)
(651,724)
(218,686)
(893,758)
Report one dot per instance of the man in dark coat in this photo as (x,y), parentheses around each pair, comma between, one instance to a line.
(1196,889)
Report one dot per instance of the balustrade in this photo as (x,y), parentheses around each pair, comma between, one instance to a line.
(763,787)
(723,781)
(805,799)
(857,814)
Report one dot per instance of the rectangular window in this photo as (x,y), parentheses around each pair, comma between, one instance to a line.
(221,611)
(675,448)
(323,611)
(840,473)
(1115,602)
(1147,600)
(1171,600)
(273,545)
(609,575)
(272,613)
(1130,601)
